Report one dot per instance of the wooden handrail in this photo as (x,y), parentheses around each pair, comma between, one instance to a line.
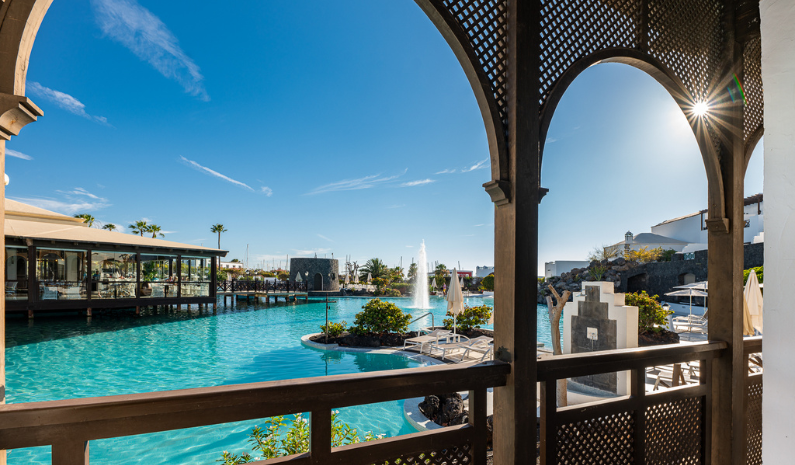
(80,420)
(574,365)
(752,345)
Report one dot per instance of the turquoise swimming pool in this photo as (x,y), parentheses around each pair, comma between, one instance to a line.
(60,358)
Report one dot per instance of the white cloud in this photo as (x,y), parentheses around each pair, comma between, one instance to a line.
(417,183)
(366,182)
(64,101)
(14,153)
(267,191)
(550,140)
(324,237)
(477,166)
(65,207)
(447,171)
(206,170)
(81,191)
(410,246)
(168,232)
(144,34)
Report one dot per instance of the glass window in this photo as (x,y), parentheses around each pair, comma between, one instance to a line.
(158,276)
(113,275)
(16,273)
(196,276)
(61,274)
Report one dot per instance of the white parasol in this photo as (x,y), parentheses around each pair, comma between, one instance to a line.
(455,299)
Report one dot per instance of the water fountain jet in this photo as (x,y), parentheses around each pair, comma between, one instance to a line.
(421,298)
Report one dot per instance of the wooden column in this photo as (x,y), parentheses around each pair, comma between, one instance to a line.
(725,266)
(3,301)
(516,247)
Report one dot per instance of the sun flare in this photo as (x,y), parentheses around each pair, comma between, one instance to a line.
(700,109)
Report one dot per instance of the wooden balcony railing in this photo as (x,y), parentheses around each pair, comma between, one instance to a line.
(664,427)
(752,351)
(69,425)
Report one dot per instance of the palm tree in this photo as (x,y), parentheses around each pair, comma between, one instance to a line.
(139,227)
(155,230)
(218,228)
(376,268)
(88,219)
(110,227)
(412,271)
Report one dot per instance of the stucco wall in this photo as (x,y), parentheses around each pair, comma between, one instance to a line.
(778,74)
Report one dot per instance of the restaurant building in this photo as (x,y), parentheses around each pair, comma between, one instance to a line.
(57,263)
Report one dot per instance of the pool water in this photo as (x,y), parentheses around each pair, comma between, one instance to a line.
(66,357)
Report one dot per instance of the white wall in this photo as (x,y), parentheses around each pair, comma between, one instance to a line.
(778,74)
(558,267)
(686,229)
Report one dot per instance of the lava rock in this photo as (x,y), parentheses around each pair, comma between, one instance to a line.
(430,406)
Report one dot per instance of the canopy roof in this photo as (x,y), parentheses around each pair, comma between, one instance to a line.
(28,222)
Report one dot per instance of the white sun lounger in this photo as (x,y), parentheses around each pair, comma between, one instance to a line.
(477,343)
(431,338)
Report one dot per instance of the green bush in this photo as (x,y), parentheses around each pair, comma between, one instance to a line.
(334,329)
(272,443)
(650,313)
(404,288)
(487,284)
(471,317)
(381,317)
(667,255)
(760,274)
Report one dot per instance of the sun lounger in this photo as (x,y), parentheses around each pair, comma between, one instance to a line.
(431,338)
(477,343)
(692,322)
(486,352)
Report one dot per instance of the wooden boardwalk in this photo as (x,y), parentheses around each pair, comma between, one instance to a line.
(256,295)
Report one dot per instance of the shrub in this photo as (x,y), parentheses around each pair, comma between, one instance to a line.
(334,329)
(760,274)
(272,443)
(381,317)
(283,276)
(404,288)
(667,255)
(471,317)
(650,313)
(644,255)
(390,292)
(221,275)
(487,284)
(597,272)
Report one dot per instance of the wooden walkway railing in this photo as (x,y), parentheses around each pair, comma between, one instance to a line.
(260,286)
(665,427)
(69,425)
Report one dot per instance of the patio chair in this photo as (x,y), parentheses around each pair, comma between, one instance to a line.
(692,322)
(462,345)
(674,375)
(432,337)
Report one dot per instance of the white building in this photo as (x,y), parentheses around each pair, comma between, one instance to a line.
(650,241)
(692,228)
(558,267)
(231,265)
(483,271)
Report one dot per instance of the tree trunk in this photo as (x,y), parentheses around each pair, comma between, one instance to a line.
(555,311)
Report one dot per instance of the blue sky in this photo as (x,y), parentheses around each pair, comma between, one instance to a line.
(345,128)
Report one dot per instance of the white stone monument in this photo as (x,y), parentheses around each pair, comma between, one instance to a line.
(599,320)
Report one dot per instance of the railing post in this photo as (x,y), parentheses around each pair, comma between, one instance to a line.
(70,453)
(477,419)
(638,391)
(320,436)
(549,424)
